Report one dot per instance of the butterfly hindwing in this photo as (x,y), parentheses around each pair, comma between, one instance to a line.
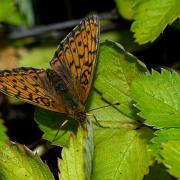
(31,85)
(76,57)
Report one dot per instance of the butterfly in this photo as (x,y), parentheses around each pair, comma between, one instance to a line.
(65,87)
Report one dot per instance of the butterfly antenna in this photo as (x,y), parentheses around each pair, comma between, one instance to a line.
(59,128)
(104,107)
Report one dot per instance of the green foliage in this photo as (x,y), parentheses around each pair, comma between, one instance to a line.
(157,96)
(125,8)
(170,153)
(152,16)
(26,9)
(108,116)
(162,136)
(18,162)
(37,57)
(76,160)
(114,83)
(50,122)
(10,14)
(3,136)
(121,153)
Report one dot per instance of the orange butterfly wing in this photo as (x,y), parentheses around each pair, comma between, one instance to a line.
(31,85)
(66,87)
(75,59)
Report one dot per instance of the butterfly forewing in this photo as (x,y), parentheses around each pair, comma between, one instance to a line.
(76,57)
(89,65)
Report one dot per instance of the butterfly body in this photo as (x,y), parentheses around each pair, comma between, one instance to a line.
(65,87)
(72,105)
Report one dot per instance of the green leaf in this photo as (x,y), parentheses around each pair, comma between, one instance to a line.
(18,162)
(151,18)
(125,8)
(161,137)
(107,116)
(171,157)
(115,72)
(157,96)
(10,14)
(3,136)
(121,153)
(76,160)
(158,172)
(56,127)
(38,57)
(27,10)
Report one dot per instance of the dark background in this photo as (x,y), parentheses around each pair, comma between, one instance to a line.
(53,11)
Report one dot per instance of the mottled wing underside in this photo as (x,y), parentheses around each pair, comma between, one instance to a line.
(31,85)
(75,59)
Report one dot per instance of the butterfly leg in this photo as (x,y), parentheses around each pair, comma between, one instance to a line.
(63,124)
(97,122)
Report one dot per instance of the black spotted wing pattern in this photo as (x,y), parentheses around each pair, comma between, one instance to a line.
(75,59)
(66,87)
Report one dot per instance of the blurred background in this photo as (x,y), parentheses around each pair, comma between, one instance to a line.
(30,31)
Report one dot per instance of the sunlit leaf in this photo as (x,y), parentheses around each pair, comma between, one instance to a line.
(18,162)
(151,18)
(157,97)
(121,153)
(76,160)
(171,157)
